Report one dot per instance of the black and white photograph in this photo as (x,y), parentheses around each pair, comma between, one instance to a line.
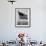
(22,17)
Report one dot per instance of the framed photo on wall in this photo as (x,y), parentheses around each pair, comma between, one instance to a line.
(22,17)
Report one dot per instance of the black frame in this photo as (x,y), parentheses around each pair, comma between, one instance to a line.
(29,18)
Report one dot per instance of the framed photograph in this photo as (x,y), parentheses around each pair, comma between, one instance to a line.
(22,17)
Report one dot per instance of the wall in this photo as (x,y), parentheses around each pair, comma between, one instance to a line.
(8,31)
